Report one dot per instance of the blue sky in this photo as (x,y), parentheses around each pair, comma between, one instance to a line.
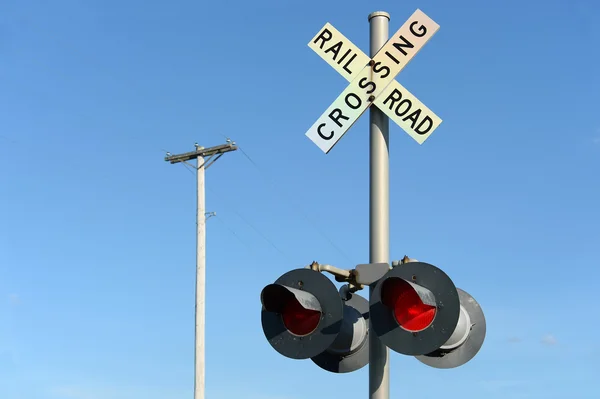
(97,244)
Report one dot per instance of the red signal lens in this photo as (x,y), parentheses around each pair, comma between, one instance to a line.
(409,310)
(299,320)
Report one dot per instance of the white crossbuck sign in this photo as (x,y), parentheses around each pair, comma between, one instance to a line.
(372,82)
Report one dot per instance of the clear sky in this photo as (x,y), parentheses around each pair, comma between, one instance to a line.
(97,231)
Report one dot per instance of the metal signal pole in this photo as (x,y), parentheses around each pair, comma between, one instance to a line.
(379,210)
(204,158)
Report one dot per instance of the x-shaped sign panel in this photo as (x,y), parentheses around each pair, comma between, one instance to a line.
(372,82)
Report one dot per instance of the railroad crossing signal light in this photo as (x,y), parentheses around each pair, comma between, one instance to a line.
(304,316)
(417,310)
(414,308)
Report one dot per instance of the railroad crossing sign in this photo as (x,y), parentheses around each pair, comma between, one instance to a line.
(372,82)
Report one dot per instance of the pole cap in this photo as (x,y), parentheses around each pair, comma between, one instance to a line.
(379,14)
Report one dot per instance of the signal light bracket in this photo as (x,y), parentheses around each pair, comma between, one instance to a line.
(369,273)
(341,275)
(438,332)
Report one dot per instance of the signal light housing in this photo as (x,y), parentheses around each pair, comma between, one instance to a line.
(301,290)
(414,308)
(466,339)
(304,316)
(350,351)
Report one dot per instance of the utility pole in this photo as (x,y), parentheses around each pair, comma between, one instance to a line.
(204,158)
(379,210)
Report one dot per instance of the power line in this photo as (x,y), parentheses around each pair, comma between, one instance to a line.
(260,233)
(235,234)
(298,208)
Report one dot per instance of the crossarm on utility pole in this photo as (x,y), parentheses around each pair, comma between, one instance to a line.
(201,152)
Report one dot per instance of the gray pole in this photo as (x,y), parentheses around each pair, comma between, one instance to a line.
(200,284)
(379,209)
